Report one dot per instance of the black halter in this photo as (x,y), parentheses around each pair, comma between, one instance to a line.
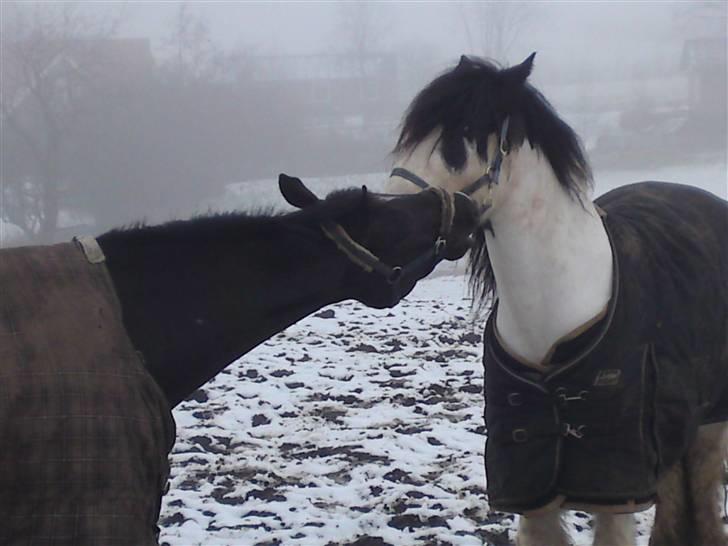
(490,178)
(369,262)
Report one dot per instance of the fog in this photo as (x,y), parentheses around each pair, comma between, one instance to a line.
(114,113)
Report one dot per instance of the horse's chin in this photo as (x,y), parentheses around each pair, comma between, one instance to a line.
(457,252)
(387,300)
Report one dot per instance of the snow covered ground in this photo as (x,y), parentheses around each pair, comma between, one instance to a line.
(355,427)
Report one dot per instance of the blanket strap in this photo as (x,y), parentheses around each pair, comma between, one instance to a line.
(91,249)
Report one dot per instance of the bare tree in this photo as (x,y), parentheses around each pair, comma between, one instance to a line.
(361,30)
(191,53)
(701,19)
(362,26)
(40,104)
(492,28)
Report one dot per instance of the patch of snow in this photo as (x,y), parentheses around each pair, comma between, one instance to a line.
(365,425)
(10,234)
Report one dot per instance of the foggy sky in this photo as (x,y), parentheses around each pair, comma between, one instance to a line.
(563,33)
(598,62)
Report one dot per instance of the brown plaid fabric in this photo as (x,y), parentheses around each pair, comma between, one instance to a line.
(84,430)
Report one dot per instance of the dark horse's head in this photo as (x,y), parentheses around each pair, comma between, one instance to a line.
(390,241)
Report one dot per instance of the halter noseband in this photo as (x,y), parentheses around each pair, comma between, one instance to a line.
(369,262)
(489,178)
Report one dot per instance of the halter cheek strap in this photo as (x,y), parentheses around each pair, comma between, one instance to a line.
(489,178)
(410,176)
(364,258)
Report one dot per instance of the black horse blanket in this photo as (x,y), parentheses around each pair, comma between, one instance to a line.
(85,430)
(620,402)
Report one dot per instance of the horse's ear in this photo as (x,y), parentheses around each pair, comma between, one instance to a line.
(516,76)
(364,195)
(295,192)
(464,62)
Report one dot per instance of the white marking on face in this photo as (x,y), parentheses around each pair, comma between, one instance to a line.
(426,161)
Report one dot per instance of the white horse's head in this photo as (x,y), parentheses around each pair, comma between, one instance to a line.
(481,129)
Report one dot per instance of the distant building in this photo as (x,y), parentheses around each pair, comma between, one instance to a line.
(68,68)
(44,88)
(704,61)
(349,94)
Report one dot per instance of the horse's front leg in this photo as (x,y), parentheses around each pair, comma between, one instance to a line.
(673,515)
(614,530)
(542,530)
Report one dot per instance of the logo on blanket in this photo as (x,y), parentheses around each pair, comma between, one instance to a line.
(607,378)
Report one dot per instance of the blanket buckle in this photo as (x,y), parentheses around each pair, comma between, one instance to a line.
(575,431)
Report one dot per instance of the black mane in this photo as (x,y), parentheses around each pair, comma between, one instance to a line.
(470,102)
(215,225)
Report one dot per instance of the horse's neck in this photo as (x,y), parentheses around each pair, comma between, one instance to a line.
(550,255)
(192,307)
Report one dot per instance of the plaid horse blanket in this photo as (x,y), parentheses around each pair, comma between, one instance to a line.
(620,402)
(85,430)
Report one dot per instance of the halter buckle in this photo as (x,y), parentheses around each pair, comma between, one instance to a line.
(504,136)
(395,275)
(440,245)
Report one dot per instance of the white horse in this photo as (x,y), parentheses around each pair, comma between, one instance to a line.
(546,258)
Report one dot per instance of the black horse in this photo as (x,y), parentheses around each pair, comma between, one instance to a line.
(198,294)
(100,339)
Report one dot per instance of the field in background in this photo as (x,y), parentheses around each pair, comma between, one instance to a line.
(262,195)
